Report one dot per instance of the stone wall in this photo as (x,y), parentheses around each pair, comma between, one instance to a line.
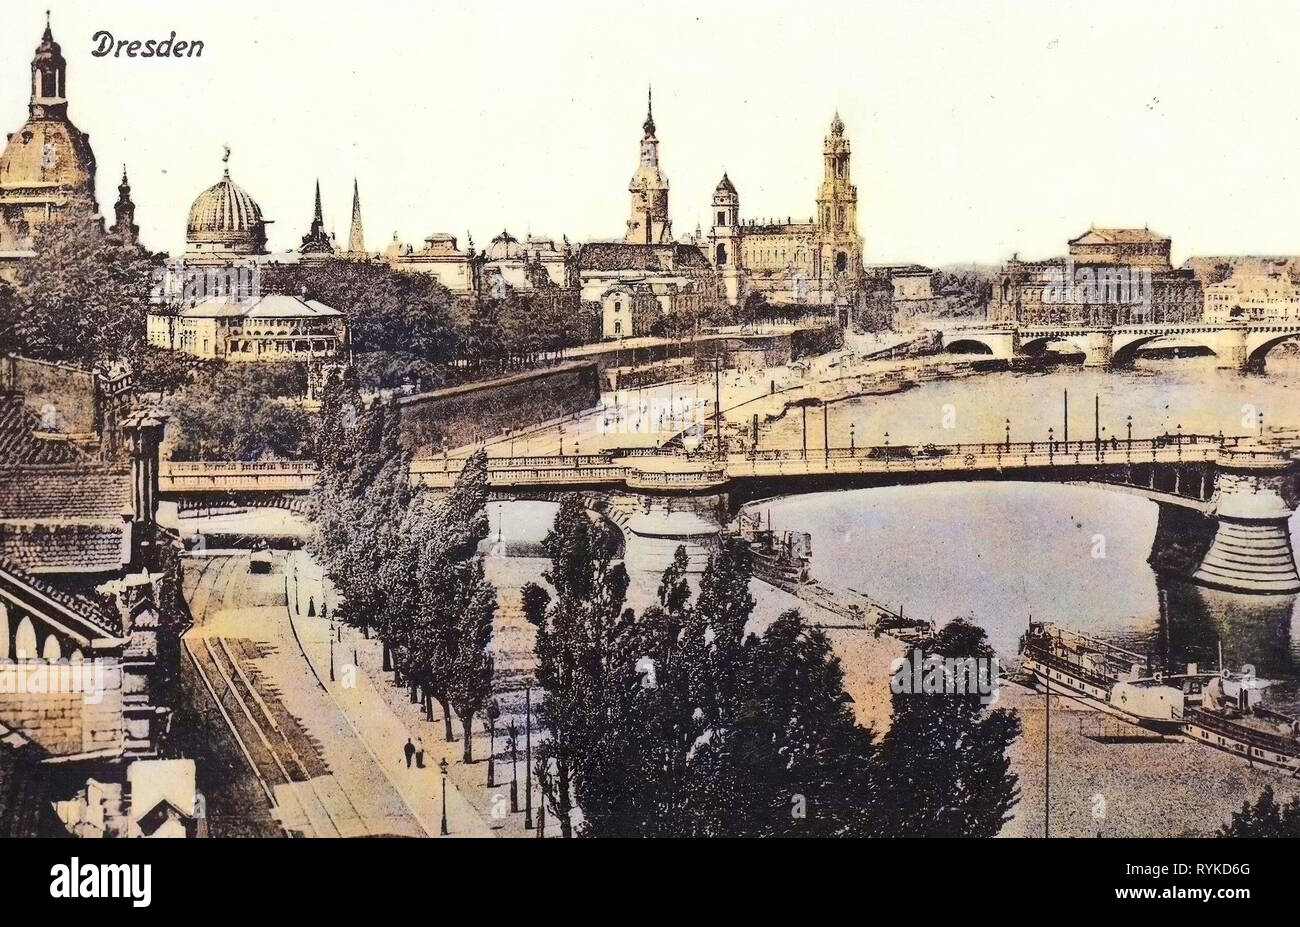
(461,415)
(67,394)
(49,706)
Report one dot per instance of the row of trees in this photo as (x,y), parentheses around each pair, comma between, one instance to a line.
(680,722)
(84,298)
(404,563)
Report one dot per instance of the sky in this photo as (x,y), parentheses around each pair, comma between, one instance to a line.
(979,128)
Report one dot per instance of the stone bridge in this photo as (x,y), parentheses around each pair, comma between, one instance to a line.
(1240,346)
(1225,502)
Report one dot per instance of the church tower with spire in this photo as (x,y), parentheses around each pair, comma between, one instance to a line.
(837,209)
(124,226)
(316,243)
(357,236)
(649,223)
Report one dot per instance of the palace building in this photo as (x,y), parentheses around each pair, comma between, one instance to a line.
(274,327)
(1109,277)
(818,262)
(48,167)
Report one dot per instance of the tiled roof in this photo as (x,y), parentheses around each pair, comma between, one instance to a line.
(1118,237)
(618,255)
(64,492)
(18,442)
(45,547)
(96,618)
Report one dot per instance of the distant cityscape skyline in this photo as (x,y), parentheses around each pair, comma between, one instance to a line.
(529,122)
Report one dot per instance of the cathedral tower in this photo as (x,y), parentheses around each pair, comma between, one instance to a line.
(649,224)
(724,238)
(124,226)
(837,209)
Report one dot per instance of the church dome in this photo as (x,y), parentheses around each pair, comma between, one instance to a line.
(725,185)
(225,218)
(505,247)
(49,153)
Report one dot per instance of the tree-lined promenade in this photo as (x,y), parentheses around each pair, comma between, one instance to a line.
(678,721)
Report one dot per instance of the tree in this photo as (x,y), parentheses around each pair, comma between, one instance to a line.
(1265,818)
(577,635)
(83,298)
(943,763)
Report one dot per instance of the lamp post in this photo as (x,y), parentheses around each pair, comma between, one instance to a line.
(1128,420)
(853,449)
(442,766)
(1051,444)
(560,430)
(1008,434)
(512,738)
(528,756)
(493,712)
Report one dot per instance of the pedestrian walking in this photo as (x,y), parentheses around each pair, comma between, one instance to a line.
(419,753)
(409,750)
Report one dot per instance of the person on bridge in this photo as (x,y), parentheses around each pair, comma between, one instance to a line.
(409,750)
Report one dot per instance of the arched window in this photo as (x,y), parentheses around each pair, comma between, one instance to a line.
(25,641)
(618,327)
(722,255)
(722,217)
(841,262)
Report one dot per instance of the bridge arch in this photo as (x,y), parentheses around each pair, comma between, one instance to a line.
(1256,354)
(1039,345)
(1126,352)
(968,346)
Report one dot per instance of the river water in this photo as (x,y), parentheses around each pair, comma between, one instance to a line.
(999,553)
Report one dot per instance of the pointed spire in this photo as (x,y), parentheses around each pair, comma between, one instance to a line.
(356,237)
(649,124)
(317,219)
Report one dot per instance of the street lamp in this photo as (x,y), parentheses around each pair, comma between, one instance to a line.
(1051,443)
(442,765)
(853,449)
(1129,421)
(493,712)
(512,738)
(528,757)
(1008,434)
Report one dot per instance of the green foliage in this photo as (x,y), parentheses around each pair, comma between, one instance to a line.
(83,299)
(681,723)
(944,757)
(237,412)
(1265,818)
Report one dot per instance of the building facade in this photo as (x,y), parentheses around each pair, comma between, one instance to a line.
(1109,277)
(275,327)
(818,262)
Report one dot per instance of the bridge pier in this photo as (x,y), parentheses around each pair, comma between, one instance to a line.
(1231,348)
(1244,544)
(1100,349)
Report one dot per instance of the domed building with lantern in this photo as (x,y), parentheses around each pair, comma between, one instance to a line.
(214,308)
(48,167)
